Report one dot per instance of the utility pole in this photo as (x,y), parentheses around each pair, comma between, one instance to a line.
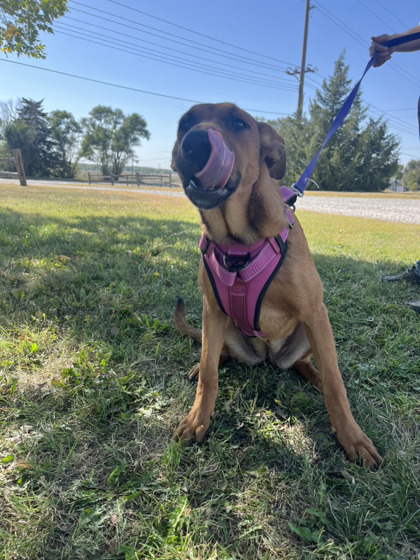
(303,63)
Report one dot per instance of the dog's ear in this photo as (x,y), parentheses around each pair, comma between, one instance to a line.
(272,150)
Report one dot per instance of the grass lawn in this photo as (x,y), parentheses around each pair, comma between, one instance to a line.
(93,382)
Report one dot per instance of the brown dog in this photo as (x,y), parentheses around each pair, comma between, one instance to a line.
(229,174)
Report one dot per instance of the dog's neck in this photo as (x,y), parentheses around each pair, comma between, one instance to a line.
(247,220)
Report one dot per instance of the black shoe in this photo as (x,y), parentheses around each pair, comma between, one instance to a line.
(414,305)
(411,276)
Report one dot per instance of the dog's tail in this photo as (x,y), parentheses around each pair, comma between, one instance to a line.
(181,324)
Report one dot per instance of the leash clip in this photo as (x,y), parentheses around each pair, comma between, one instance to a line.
(296,190)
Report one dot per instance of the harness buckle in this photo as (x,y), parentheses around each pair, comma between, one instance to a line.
(235,263)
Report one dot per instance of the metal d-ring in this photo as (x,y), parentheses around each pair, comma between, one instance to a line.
(240,264)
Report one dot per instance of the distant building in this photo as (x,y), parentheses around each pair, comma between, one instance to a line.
(396,185)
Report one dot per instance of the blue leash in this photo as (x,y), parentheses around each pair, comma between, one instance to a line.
(301,183)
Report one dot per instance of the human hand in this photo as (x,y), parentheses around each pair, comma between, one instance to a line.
(383,53)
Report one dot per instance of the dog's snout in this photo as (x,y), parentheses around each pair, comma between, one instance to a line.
(196,147)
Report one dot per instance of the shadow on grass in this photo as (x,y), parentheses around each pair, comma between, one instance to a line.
(92,387)
(90,275)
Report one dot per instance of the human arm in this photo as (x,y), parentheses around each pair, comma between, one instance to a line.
(384,53)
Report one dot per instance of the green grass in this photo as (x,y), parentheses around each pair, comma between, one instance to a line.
(93,382)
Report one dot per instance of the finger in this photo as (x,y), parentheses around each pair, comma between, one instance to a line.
(381,38)
(381,60)
(380,48)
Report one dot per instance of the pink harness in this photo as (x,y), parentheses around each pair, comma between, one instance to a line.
(240,275)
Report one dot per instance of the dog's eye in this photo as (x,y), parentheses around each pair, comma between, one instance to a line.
(185,124)
(239,124)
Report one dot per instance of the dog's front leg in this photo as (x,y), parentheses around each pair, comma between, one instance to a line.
(196,423)
(355,443)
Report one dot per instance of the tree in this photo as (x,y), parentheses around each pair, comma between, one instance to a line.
(30,132)
(22,20)
(66,133)
(377,157)
(360,156)
(296,131)
(110,137)
(335,168)
(411,175)
(8,111)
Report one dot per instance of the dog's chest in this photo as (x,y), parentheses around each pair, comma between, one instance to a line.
(252,351)
(268,349)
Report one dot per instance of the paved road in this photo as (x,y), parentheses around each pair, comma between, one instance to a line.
(405,210)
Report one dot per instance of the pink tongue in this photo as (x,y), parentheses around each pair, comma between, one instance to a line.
(216,172)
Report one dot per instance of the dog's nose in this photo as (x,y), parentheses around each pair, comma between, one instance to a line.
(196,147)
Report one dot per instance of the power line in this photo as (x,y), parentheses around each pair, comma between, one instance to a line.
(210,50)
(323,10)
(405,26)
(396,123)
(99,81)
(166,34)
(412,109)
(409,155)
(198,33)
(183,43)
(129,88)
(78,29)
(338,22)
(102,82)
(234,76)
(361,40)
(373,12)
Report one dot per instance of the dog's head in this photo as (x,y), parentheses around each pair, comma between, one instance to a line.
(218,146)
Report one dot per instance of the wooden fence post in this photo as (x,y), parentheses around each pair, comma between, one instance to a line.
(89,177)
(17,156)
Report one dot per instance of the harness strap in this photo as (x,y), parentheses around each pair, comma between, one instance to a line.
(240,275)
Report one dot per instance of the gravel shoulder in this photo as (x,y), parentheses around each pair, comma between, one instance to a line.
(389,210)
(402,210)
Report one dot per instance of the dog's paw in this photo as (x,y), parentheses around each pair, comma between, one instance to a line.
(193,373)
(193,427)
(359,447)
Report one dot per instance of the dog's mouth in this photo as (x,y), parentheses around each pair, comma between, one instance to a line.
(206,199)
(214,183)
(216,172)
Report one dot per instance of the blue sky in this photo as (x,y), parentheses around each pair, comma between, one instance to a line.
(226,50)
